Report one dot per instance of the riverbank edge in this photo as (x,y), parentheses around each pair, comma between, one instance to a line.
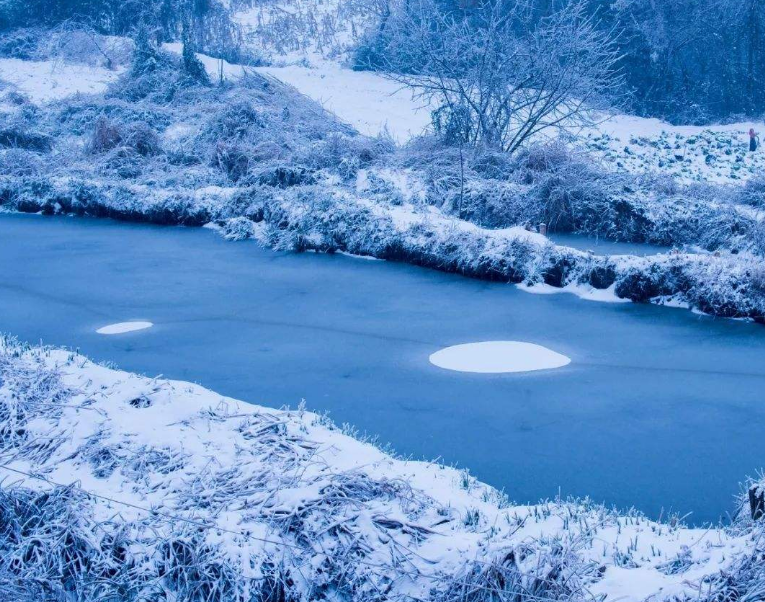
(329,219)
(126,483)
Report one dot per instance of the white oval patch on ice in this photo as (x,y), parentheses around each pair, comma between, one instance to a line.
(124,327)
(496,357)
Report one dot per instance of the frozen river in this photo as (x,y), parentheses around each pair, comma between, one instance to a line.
(658,408)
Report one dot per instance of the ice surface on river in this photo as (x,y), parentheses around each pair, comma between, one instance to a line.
(495,357)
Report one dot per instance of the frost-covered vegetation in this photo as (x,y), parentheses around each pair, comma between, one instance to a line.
(170,144)
(120,487)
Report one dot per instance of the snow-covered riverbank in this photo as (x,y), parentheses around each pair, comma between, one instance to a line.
(178,489)
(258,159)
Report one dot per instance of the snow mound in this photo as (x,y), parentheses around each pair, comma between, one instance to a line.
(497,357)
(122,327)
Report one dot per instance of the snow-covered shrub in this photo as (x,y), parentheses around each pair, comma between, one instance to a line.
(154,74)
(21,137)
(238,228)
(20,162)
(684,219)
(124,147)
(22,43)
(233,159)
(492,164)
(758,238)
(106,136)
(122,162)
(643,283)
(753,192)
(78,117)
(236,121)
(142,138)
(661,183)
(728,288)
(544,157)
(16,98)
(193,69)
(346,153)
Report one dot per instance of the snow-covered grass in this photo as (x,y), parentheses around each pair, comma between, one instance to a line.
(117,485)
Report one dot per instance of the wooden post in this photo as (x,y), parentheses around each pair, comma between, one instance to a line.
(543,229)
(757,501)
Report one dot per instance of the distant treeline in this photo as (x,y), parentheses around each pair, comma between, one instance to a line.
(684,60)
(690,60)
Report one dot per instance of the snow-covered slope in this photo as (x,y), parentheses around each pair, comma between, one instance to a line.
(269,489)
(43,81)
(367,101)
(296,31)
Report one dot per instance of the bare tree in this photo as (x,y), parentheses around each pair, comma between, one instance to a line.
(498,74)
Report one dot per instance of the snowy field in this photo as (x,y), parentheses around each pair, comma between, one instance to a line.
(283,495)
(372,104)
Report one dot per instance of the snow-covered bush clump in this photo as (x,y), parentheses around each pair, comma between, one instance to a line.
(550,183)
(123,487)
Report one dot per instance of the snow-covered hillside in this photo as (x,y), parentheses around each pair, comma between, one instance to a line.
(202,491)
